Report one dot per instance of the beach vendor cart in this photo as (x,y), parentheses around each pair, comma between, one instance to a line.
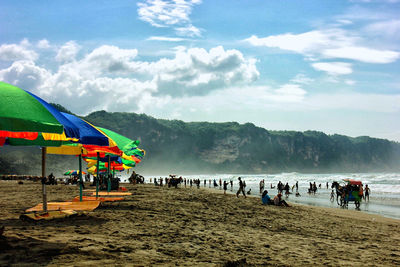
(352,193)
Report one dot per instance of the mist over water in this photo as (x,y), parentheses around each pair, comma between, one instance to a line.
(384,188)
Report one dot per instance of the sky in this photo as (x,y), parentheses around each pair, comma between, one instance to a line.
(330,66)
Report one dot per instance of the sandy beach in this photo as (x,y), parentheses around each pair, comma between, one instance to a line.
(191,227)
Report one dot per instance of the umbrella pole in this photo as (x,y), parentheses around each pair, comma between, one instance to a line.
(97,175)
(108,175)
(80,177)
(43,179)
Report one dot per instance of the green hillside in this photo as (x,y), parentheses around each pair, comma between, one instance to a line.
(174,146)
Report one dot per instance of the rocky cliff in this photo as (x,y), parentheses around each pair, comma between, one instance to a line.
(202,147)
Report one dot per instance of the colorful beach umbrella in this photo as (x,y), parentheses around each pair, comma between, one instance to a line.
(21,112)
(73,172)
(129,156)
(129,147)
(91,140)
(27,118)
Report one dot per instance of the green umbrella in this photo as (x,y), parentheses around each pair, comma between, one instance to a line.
(21,112)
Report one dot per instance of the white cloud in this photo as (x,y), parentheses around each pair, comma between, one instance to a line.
(328,44)
(289,93)
(196,71)
(390,28)
(25,74)
(350,82)
(362,54)
(301,79)
(68,52)
(167,13)
(344,22)
(308,43)
(14,52)
(188,30)
(333,68)
(111,78)
(43,44)
(166,39)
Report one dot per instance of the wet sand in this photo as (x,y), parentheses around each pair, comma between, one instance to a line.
(191,227)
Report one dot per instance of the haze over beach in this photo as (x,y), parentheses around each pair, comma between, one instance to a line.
(280,91)
(298,65)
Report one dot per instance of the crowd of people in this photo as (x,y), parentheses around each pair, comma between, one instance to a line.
(282,188)
(173,180)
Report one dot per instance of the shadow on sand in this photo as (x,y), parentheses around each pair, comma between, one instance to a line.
(31,251)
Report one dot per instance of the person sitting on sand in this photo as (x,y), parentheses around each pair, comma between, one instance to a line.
(266,199)
(249,192)
(278,201)
(241,188)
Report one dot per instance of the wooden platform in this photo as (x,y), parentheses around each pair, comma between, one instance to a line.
(50,215)
(69,205)
(101,199)
(112,193)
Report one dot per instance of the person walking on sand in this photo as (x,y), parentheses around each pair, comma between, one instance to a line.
(366,192)
(225,187)
(241,188)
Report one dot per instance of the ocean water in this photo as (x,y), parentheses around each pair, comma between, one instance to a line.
(384,188)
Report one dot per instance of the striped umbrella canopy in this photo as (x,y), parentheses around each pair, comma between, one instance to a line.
(73,172)
(26,116)
(129,147)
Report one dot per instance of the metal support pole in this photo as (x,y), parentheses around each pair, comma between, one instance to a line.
(108,175)
(80,178)
(97,175)
(43,179)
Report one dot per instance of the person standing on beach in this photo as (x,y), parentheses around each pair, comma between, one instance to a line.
(231,181)
(366,192)
(297,186)
(241,188)
(261,186)
(225,187)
